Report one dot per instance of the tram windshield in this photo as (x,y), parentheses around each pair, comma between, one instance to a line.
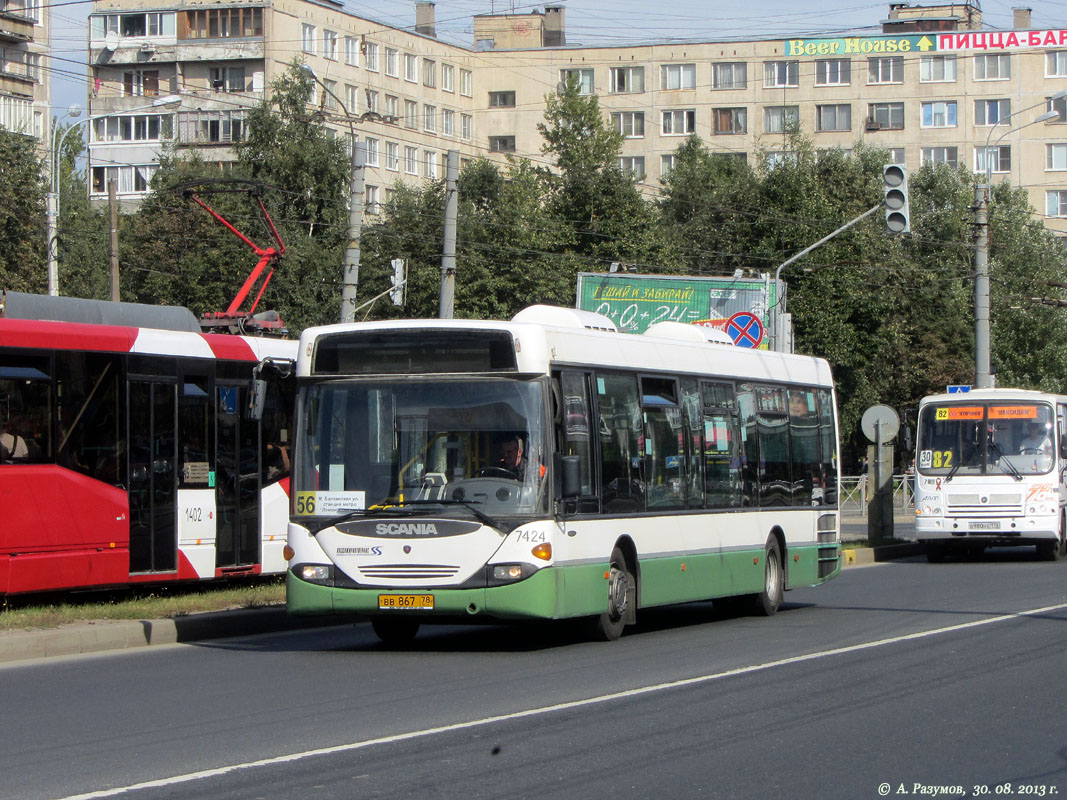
(443,446)
(1013,438)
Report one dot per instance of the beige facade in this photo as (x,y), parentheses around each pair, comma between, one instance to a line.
(932,86)
(25,85)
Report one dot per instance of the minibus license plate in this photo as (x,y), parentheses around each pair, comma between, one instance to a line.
(985,526)
(405,601)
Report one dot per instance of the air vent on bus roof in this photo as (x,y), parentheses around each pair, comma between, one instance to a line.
(689,333)
(559,317)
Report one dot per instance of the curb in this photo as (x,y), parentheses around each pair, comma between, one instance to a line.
(858,556)
(98,637)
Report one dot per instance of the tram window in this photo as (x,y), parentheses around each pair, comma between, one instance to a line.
(619,407)
(25,408)
(196,432)
(89,415)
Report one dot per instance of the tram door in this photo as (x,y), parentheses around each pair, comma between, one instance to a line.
(237,485)
(152,477)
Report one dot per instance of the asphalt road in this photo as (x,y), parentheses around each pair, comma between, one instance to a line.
(912,675)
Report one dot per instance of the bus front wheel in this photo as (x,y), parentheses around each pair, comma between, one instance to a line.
(766,602)
(622,597)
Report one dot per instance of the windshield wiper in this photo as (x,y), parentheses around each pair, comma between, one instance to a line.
(959,464)
(468,504)
(316,525)
(1004,462)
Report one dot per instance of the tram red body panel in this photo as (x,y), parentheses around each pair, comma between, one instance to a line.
(93,520)
(66,336)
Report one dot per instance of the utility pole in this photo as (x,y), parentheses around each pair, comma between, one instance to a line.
(982,377)
(448,252)
(355,222)
(113,208)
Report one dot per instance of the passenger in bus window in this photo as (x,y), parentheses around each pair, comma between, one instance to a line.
(1037,440)
(12,446)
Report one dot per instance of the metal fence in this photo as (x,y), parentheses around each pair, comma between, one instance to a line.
(855,494)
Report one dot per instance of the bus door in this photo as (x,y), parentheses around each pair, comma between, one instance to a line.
(237,486)
(152,475)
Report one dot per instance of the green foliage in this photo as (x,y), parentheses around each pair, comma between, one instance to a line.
(22,215)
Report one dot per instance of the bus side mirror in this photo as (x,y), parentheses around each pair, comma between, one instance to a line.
(257,398)
(1063,447)
(571,469)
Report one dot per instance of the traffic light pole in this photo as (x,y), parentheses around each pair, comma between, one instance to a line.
(983,378)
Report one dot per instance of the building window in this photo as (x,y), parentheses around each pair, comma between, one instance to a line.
(776,158)
(372,100)
(837,117)
(502,99)
(889,69)
(429,73)
(502,144)
(329,95)
(227,79)
(411,68)
(130,128)
(429,118)
(329,45)
(666,165)
(411,160)
(991,112)
(129,180)
(352,51)
(351,98)
(1060,107)
(370,56)
(429,164)
(885,117)
(448,78)
(999,158)
(940,114)
(781,74)
(937,69)
(939,155)
(411,114)
(896,155)
(392,107)
(307,39)
(583,76)
(392,62)
(372,151)
(156,23)
(679,122)
(370,200)
(729,120)
(223,129)
(1056,156)
(1056,64)
(631,124)
(466,126)
(141,83)
(466,83)
(996,67)
(780,119)
(392,156)
(634,166)
(1056,203)
(729,75)
(627,80)
(678,76)
(833,72)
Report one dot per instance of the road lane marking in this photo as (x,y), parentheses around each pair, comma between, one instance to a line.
(542,710)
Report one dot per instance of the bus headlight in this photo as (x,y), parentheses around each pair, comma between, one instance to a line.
(315,573)
(499,574)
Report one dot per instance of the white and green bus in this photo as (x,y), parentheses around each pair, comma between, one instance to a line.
(550,467)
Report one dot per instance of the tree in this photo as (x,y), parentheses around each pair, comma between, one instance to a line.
(22,215)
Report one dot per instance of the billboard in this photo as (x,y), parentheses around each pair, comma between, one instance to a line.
(634,302)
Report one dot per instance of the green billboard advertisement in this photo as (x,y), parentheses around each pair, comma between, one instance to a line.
(634,302)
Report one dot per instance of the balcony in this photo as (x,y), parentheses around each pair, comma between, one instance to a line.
(14,27)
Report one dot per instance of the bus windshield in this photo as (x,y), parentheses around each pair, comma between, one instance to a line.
(447,446)
(1013,438)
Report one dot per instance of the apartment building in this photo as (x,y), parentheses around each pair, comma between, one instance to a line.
(932,86)
(25,89)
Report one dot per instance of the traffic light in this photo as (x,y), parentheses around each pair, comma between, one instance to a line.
(397,279)
(895,190)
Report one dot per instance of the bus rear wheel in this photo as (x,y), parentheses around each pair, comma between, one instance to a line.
(622,598)
(395,630)
(766,603)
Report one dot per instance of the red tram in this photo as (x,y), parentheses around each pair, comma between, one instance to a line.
(127,454)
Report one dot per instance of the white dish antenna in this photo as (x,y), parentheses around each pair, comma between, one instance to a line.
(111,41)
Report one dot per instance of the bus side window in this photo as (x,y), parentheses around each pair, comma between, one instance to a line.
(620,423)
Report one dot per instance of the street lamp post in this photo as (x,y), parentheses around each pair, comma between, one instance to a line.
(350,284)
(983,378)
(54,195)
